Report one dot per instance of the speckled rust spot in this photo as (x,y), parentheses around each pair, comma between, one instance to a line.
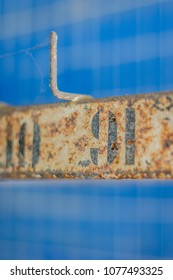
(130,142)
(168,143)
(114,146)
(81,143)
(53,128)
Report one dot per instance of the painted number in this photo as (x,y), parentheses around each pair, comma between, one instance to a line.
(112,146)
(21,151)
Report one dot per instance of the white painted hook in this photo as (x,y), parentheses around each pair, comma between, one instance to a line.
(54,72)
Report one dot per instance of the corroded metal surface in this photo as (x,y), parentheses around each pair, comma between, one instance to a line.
(123,137)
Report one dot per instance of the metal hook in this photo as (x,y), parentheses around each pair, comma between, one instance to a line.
(53,74)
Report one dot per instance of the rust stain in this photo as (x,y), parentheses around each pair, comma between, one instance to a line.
(131,142)
(167,143)
(122,137)
(115,146)
(81,143)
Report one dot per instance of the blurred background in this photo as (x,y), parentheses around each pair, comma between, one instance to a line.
(105,48)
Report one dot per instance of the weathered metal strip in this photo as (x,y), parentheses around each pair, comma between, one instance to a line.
(121,137)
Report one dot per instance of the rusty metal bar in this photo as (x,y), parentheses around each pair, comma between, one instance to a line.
(114,138)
